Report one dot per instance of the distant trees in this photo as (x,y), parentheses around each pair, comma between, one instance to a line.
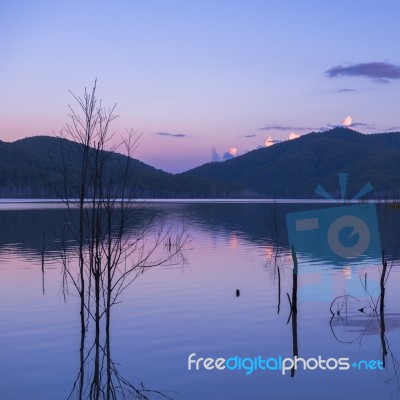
(29,168)
(115,238)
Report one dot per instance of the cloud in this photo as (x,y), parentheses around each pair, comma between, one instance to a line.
(381,72)
(227,156)
(362,125)
(347,121)
(249,136)
(178,135)
(345,90)
(268,142)
(393,128)
(285,128)
(231,153)
(214,155)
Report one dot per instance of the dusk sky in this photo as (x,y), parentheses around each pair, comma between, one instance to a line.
(202,78)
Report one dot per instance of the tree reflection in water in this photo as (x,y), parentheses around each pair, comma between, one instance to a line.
(116,238)
(98,376)
(361,317)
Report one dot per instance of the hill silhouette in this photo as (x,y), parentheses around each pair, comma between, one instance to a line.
(293,169)
(32,167)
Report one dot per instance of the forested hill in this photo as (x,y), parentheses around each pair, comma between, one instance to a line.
(293,169)
(32,168)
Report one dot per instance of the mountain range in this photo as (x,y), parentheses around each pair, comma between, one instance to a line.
(292,169)
(33,168)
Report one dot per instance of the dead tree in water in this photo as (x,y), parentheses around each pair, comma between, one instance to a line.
(117,239)
(293,309)
(275,227)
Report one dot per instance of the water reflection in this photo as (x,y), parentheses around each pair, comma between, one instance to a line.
(98,375)
(244,286)
(293,309)
(115,244)
(351,315)
(256,223)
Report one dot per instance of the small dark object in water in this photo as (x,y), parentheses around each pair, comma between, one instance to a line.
(237,292)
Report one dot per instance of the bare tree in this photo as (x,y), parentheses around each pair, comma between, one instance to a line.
(116,238)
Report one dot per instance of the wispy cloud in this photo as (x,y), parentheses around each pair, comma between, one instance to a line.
(294,130)
(381,72)
(348,123)
(393,129)
(249,136)
(177,135)
(214,155)
(285,128)
(362,125)
(345,90)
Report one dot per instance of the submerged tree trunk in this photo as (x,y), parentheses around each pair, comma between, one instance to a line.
(382,310)
(293,307)
(110,255)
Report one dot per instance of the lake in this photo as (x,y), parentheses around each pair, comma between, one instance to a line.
(236,292)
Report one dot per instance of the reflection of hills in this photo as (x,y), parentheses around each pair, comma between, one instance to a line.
(22,231)
(253,222)
(261,223)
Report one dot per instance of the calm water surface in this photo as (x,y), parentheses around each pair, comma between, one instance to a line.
(192,306)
